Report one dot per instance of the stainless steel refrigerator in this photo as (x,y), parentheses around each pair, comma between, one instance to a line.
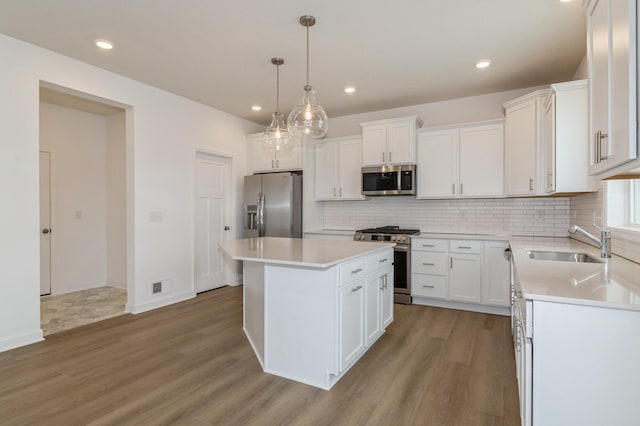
(273,205)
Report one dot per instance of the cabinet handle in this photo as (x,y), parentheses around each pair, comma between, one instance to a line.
(461,191)
(383,260)
(428,245)
(453,189)
(340,192)
(277,163)
(334,192)
(428,286)
(273,164)
(384,282)
(549,179)
(428,264)
(383,158)
(451,258)
(600,137)
(390,156)
(355,271)
(596,147)
(356,288)
(530,184)
(464,247)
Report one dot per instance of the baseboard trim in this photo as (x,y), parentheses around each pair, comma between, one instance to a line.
(461,306)
(159,302)
(22,340)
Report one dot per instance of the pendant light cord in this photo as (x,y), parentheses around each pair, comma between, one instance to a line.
(307,58)
(278,89)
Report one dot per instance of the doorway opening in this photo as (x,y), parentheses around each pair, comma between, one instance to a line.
(83,209)
(213,221)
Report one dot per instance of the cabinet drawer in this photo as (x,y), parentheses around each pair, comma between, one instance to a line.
(429,244)
(429,263)
(352,271)
(429,286)
(466,246)
(379,260)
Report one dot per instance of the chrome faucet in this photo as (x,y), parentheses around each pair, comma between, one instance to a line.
(604,242)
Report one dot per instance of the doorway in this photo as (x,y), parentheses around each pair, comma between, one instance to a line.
(212,222)
(83,188)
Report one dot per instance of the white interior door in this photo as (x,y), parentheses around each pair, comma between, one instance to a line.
(211,191)
(45,223)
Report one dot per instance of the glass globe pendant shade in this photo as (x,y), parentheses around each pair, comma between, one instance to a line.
(277,137)
(308,119)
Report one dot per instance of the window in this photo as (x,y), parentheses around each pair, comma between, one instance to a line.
(633,208)
(623,204)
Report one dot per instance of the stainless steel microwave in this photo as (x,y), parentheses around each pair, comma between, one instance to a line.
(389,180)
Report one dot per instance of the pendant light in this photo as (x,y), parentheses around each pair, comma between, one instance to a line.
(308,118)
(277,137)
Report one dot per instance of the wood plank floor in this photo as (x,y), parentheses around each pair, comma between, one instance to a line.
(191,364)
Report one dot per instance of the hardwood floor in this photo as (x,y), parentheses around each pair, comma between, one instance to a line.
(191,364)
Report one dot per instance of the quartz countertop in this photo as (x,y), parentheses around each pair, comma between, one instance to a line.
(614,283)
(311,253)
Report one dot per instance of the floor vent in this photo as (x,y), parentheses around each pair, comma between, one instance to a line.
(156,287)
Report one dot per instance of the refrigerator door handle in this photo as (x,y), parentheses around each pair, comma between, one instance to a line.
(261,214)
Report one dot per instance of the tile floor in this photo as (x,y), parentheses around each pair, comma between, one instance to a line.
(65,311)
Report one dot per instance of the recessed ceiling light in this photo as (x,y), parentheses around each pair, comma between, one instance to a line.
(349,89)
(256,107)
(104,44)
(484,63)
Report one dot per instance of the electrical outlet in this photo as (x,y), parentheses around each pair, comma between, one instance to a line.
(156,287)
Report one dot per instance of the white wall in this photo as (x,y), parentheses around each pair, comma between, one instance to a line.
(462,110)
(78,143)
(116,202)
(162,130)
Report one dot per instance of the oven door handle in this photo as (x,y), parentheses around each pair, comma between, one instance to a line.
(399,247)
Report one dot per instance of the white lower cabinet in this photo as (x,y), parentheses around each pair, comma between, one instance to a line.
(351,322)
(462,274)
(366,304)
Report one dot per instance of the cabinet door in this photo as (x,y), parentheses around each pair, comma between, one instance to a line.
(598,51)
(520,148)
(349,173)
(373,305)
(261,159)
(290,159)
(325,170)
(496,274)
(351,323)
(465,278)
(374,143)
(481,161)
(622,144)
(401,143)
(549,144)
(437,165)
(386,298)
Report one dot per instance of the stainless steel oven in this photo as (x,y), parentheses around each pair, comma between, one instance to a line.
(401,256)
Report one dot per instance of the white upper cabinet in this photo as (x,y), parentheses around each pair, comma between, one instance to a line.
(338,165)
(461,161)
(566,139)
(390,141)
(261,160)
(612,62)
(523,143)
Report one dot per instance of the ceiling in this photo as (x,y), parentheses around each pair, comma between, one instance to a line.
(406,52)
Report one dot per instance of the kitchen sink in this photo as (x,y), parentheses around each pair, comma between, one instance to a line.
(562,256)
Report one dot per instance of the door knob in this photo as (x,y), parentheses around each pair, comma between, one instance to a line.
(226,228)
(46,231)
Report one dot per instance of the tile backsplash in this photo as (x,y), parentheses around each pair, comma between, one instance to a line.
(547,217)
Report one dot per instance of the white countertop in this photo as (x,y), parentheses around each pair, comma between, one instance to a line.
(310,253)
(615,283)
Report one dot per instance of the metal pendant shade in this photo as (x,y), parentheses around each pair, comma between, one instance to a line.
(277,137)
(308,119)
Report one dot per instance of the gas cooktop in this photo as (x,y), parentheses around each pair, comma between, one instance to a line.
(389,230)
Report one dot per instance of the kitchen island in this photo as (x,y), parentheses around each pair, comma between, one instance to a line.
(312,308)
